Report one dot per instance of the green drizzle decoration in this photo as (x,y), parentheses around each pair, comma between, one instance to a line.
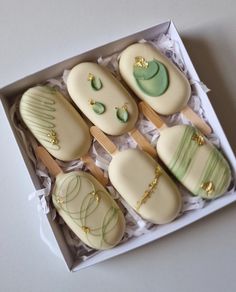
(216,172)
(122,113)
(152,77)
(38,109)
(98,107)
(96,82)
(69,192)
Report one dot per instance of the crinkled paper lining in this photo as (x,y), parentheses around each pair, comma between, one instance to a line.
(135,225)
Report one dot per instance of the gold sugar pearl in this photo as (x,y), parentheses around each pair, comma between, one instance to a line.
(53,137)
(96,196)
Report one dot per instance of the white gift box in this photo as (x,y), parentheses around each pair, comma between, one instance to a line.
(9,93)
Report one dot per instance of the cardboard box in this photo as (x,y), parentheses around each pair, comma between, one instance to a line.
(9,93)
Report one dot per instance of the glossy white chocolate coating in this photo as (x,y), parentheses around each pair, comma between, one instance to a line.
(55,123)
(88,209)
(178,92)
(112,95)
(131,172)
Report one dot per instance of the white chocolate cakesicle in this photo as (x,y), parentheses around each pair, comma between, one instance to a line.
(85,205)
(142,182)
(197,164)
(145,186)
(88,209)
(55,123)
(154,78)
(105,102)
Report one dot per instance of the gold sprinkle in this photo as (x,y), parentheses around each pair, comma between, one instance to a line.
(140,62)
(91,102)
(125,106)
(53,137)
(59,200)
(90,77)
(147,194)
(208,187)
(96,196)
(86,229)
(199,139)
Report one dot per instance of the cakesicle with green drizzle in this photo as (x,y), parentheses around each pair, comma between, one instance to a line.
(194,161)
(158,82)
(85,205)
(142,182)
(58,126)
(105,102)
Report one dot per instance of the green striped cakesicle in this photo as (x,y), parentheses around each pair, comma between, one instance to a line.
(88,209)
(152,76)
(195,162)
(55,123)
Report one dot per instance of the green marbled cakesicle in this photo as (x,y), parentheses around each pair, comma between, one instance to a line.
(152,80)
(195,162)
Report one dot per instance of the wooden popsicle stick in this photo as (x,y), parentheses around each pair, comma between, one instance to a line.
(103,140)
(143,142)
(151,115)
(196,120)
(53,168)
(94,169)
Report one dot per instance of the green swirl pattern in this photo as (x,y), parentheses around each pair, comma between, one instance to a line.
(68,194)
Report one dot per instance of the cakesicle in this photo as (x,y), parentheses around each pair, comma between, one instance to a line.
(157,81)
(195,162)
(85,206)
(142,182)
(108,105)
(57,126)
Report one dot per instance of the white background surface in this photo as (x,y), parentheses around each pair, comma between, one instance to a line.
(36,34)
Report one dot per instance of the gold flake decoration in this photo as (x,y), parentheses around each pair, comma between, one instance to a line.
(208,187)
(86,229)
(122,113)
(90,77)
(59,200)
(151,187)
(96,196)
(199,139)
(53,137)
(140,62)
